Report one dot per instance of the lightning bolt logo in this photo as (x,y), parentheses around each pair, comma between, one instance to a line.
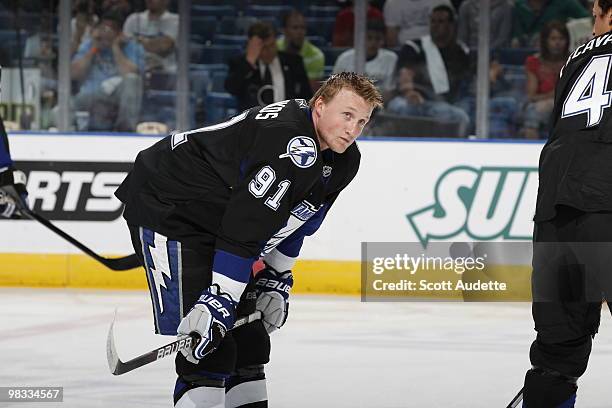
(302,151)
(160,267)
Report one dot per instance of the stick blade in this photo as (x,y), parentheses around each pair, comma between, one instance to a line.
(122,264)
(111,351)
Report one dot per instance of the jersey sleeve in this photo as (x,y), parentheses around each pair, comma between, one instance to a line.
(259,206)
(5,156)
(283,257)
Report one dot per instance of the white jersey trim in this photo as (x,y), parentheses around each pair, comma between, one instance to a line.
(209,397)
(246,393)
(228,285)
(279,261)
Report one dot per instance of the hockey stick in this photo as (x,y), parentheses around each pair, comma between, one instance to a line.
(116,264)
(516,400)
(118,367)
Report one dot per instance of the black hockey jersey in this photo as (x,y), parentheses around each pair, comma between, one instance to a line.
(576,163)
(243,186)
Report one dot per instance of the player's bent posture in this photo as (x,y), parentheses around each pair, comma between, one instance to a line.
(572,261)
(12,182)
(203,205)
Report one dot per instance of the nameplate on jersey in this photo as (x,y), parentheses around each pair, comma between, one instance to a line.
(304,211)
(271,111)
(302,150)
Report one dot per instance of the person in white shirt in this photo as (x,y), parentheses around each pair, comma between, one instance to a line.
(380,62)
(408,19)
(157,30)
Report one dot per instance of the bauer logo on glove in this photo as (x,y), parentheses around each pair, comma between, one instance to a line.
(209,319)
(273,284)
(273,289)
(218,306)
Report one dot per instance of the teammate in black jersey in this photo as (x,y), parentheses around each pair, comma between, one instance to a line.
(572,261)
(202,206)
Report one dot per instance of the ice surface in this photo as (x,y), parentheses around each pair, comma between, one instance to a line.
(333,352)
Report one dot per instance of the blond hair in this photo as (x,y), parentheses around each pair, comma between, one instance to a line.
(360,84)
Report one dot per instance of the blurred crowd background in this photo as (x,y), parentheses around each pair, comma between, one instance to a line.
(124,70)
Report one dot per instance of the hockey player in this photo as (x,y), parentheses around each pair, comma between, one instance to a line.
(12,182)
(574,206)
(203,205)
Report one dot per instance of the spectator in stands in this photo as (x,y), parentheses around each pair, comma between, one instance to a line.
(294,41)
(410,102)
(108,68)
(156,29)
(82,23)
(530,16)
(504,105)
(457,3)
(380,62)
(407,20)
(542,74)
(263,74)
(580,29)
(121,8)
(432,72)
(40,50)
(501,23)
(344,26)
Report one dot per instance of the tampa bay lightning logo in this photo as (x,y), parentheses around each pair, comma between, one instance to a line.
(302,151)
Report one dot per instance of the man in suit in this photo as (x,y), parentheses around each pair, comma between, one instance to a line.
(264,75)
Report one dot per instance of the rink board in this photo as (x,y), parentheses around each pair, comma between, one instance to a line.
(406,190)
(80,271)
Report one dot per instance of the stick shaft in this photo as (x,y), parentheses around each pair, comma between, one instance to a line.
(116,264)
(516,400)
(119,367)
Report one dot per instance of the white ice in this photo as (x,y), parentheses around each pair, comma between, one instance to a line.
(333,352)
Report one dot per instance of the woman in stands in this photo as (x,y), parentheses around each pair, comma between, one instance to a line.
(542,75)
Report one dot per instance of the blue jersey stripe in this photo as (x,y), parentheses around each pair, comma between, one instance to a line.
(292,245)
(233,266)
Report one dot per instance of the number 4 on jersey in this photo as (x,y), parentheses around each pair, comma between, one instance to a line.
(589,94)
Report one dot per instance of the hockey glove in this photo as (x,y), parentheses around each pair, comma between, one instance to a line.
(13,193)
(273,297)
(210,318)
